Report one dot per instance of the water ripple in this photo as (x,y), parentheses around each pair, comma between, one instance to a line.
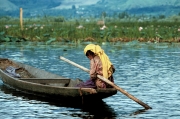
(150,72)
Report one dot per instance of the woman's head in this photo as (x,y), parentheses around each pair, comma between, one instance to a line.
(96,49)
(90,54)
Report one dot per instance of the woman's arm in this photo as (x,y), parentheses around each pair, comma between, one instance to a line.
(95,67)
(92,69)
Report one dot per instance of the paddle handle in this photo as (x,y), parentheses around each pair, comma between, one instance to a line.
(110,83)
(75,64)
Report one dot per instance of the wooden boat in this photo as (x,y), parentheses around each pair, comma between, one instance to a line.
(46,84)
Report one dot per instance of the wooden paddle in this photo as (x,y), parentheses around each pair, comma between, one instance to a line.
(110,83)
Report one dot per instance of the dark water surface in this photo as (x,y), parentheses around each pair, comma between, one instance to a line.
(150,72)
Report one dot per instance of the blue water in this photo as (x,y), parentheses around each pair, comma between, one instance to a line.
(150,72)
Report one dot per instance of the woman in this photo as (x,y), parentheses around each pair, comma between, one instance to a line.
(99,65)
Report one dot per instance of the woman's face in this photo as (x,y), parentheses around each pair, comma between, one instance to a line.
(90,57)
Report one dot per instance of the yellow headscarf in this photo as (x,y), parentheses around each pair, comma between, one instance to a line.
(106,63)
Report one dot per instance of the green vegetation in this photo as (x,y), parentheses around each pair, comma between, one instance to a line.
(50,29)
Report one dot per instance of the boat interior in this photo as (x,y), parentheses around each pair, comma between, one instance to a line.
(31,74)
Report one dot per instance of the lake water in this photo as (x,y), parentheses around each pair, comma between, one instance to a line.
(150,72)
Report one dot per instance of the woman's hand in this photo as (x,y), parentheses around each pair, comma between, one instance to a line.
(100,84)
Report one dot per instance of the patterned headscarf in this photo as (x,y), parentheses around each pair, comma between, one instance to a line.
(106,63)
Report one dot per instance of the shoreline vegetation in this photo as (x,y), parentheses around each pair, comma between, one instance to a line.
(58,29)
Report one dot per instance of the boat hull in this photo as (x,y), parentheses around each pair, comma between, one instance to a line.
(51,85)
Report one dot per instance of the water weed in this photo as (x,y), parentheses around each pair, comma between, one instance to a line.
(51,29)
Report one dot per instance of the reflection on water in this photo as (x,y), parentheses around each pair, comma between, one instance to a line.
(148,71)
